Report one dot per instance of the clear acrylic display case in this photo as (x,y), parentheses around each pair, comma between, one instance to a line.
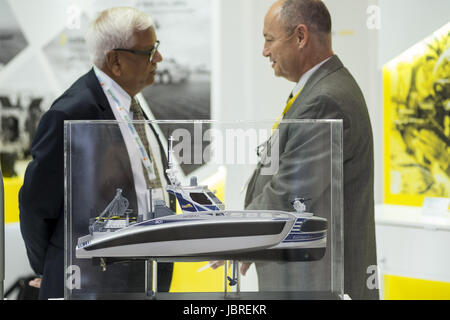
(273,199)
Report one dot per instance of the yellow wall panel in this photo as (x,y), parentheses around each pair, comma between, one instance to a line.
(12,187)
(401,288)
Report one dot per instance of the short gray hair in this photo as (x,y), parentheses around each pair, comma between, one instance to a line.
(313,13)
(114,28)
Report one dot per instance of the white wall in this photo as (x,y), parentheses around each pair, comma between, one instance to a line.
(16,261)
(243,82)
(406,22)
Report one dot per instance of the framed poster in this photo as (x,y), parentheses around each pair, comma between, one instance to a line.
(182,89)
(417,122)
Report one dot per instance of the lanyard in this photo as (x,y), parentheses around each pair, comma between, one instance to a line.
(286,109)
(146,161)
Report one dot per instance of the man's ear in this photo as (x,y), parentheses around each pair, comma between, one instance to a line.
(113,63)
(302,35)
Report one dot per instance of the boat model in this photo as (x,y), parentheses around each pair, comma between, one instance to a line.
(204,231)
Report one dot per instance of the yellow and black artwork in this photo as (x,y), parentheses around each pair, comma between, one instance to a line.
(417,122)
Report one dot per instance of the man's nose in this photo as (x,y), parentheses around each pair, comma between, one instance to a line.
(265,52)
(158,57)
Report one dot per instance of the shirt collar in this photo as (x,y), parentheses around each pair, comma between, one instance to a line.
(305,77)
(121,94)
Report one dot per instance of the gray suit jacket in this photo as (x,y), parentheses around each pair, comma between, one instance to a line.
(304,171)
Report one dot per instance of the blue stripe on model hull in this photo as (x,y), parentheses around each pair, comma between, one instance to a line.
(160,222)
(294,241)
(294,237)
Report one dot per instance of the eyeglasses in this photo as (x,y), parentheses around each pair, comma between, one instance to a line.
(151,53)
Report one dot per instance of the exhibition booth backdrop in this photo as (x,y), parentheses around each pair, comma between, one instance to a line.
(221,78)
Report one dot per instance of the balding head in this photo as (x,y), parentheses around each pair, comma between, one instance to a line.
(313,13)
(298,36)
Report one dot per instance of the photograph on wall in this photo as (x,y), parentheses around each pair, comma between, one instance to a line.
(20,112)
(67,52)
(12,39)
(417,122)
(182,89)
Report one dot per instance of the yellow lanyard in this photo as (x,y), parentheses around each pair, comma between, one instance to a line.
(288,107)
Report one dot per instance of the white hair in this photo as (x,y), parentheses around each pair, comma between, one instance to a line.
(114,28)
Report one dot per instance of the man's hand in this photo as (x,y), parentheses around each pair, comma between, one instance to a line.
(244,267)
(35,283)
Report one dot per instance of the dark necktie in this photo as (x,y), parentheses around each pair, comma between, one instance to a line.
(290,97)
(135,108)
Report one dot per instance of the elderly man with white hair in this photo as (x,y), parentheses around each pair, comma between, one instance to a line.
(124,49)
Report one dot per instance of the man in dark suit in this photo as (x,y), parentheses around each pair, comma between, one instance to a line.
(298,43)
(128,64)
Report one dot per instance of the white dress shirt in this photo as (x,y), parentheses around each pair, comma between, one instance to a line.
(305,77)
(132,148)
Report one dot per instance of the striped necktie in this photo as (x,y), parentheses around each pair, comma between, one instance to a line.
(135,108)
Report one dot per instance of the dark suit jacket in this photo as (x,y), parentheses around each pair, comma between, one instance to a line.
(93,185)
(330,93)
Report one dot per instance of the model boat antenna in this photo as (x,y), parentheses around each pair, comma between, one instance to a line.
(171,171)
(116,208)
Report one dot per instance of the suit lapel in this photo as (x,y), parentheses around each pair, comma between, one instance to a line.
(326,69)
(97,91)
(114,134)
